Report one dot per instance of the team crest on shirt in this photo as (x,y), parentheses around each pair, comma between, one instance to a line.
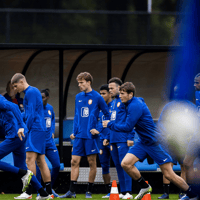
(49,112)
(101,152)
(111,147)
(90,101)
(118,104)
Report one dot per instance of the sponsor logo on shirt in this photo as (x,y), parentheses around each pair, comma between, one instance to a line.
(90,101)
(49,112)
(48,122)
(93,150)
(84,112)
(113,115)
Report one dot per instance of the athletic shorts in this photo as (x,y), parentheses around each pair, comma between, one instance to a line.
(36,142)
(156,152)
(84,147)
(104,156)
(50,144)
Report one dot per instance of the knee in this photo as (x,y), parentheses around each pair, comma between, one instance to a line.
(125,165)
(169,175)
(30,160)
(74,163)
(92,163)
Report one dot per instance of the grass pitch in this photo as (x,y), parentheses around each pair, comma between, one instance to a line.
(82,196)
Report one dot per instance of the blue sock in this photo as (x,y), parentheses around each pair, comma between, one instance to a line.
(190,193)
(54,174)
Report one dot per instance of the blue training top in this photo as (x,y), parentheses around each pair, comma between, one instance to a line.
(10,118)
(49,117)
(197,97)
(87,107)
(33,106)
(138,116)
(103,131)
(118,116)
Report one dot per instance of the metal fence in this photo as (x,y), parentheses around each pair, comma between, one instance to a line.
(86,26)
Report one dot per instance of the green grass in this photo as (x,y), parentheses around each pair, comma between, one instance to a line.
(82,196)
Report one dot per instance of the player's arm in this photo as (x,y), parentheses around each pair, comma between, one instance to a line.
(53,123)
(7,105)
(130,138)
(30,109)
(104,107)
(75,123)
(133,114)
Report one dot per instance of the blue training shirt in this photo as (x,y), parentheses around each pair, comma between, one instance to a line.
(33,107)
(197,97)
(10,118)
(49,117)
(118,116)
(87,107)
(138,116)
(103,131)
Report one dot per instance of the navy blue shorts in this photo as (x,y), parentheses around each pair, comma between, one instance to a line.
(84,147)
(36,142)
(156,152)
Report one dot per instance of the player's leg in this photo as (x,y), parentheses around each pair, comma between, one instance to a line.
(135,154)
(120,171)
(53,156)
(77,152)
(183,175)
(45,172)
(19,156)
(75,162)
(104,157)
(122,151)
(30,161)
(6,147)
(91,149)
(166,186)
(164,161)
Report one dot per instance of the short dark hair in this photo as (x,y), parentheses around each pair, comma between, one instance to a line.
(104,87)
(197,76)
(17,77)
(116,80)
(128,87)
(45,91)
(86,76)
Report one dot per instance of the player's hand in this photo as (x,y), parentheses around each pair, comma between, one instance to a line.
(130,143)
(94,131)
(105,123)
(72,137)
(21,133)
(105,142)
(53,135)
